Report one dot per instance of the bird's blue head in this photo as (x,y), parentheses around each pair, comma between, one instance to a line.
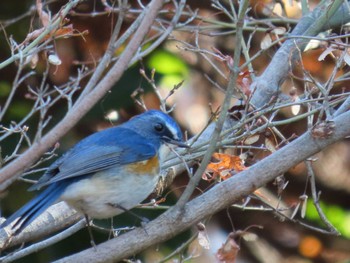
(157,126)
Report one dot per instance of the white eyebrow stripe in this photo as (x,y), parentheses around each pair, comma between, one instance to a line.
(173,131)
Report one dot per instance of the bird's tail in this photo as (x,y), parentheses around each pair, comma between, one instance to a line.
(26,214)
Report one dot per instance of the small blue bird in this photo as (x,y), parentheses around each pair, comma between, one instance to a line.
(108,172)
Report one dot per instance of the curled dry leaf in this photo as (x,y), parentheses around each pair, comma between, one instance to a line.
(229,250)
(223,167)
(203,238)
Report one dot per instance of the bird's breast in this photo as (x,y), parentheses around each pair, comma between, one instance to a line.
(125,185)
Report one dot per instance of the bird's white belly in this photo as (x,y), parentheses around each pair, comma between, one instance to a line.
(100,195)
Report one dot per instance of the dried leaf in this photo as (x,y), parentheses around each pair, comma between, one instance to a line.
(326,52)
(65,32)
(296,108)
(252,139)
(313,44)
(203,238)
(33,35)
(270,145)
(266,42)
(44,17)
(194,249)
(303,199)
(223,167)
(228,251)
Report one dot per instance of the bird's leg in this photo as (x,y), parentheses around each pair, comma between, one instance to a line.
(92,242)
(143,220)
(112,232)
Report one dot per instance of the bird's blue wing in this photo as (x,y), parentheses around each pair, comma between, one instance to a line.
(100,151)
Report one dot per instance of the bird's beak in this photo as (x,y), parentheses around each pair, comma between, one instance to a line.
(176,142)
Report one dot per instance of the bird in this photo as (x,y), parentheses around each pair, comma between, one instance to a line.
(106,173)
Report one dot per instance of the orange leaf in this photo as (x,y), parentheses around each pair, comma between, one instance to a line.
(224,167)
(65,31)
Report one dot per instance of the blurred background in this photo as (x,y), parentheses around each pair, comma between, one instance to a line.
(270,237)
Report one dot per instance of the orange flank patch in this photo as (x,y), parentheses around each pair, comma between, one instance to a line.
(150,166)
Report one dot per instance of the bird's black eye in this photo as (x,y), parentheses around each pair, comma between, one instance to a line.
(159,127)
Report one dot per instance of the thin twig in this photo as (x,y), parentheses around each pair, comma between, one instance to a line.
(45,243)
(315,198)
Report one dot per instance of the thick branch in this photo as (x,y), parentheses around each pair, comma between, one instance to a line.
(221,196)
(54,219)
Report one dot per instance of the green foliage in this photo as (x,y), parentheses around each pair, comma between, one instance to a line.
(338,216)
(5,88)
(172,67)
(167,63)
(19,109)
